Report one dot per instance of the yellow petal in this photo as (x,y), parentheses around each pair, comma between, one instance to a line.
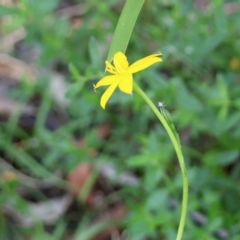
(105,81)
(120,62)
(108,93)
(126,83)
(144,63)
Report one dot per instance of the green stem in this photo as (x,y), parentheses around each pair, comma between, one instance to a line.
(179,153)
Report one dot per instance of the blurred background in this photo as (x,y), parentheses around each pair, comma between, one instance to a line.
(71,170)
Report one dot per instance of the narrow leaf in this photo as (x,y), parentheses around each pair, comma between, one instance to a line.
(124,27)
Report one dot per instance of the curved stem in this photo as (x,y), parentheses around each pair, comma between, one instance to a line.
(175,141)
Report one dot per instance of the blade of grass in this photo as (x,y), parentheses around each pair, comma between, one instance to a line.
(25,160)
(124,27)
(92,231)
(43,111)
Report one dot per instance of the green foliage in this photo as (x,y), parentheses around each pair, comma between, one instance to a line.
(198,81)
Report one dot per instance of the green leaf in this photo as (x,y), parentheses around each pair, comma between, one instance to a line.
(186,99)
(94,53)
(227,157)
(74,90)
(74,72)
(157,198)
(138,160)
(43,7)
(4,10)
(124,27)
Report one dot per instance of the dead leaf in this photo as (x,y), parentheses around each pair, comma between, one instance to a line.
(59,87)
(79,177)
(109,172)
(47,211)
(72,11)
(231,8)
(7,107)
(115,215)
(104,130)
(8,41)
(15,69)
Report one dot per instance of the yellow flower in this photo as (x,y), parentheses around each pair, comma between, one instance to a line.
(234,64)
(122,74)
